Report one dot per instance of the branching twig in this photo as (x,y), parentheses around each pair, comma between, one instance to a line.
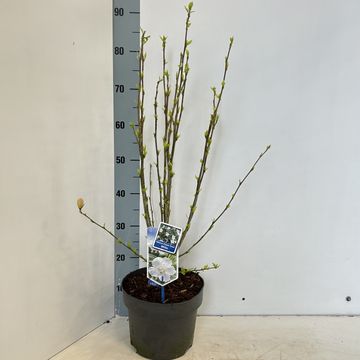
(214,118)
(173,107)
(228,204)
(177,110)
(139,132)
(197,270)
(120,241)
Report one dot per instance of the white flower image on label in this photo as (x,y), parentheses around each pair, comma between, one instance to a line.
(162,269)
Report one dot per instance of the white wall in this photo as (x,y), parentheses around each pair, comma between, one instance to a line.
(56,143)
(290,244)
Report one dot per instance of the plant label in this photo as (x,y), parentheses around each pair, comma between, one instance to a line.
(162,267)
(151,235)
(167,238)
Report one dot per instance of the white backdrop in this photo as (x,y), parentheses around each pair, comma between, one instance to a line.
(289,245)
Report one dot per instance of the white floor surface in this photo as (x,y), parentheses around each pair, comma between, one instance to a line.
(237,338)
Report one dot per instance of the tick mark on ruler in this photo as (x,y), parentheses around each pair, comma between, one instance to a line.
(136,210)
(126,42)
(135,226)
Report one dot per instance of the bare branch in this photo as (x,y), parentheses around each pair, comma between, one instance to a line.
(150,196)
(139,132)
(157,151)
(197,270)
(228,204)
(214,118)
(119,240)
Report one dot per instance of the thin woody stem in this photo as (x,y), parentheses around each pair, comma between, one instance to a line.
(167,128)
(177,120)
(228,204)
(197,270)
(157,151)
(150,196)
(177,108)
(214,118)
(119,240)
(139,132)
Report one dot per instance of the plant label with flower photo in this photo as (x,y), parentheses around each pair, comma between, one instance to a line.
(167,238)
(162,267)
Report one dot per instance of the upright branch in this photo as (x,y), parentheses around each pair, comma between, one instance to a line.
(174,115)
(157,151)
(209,133)
(167,127)
(139,128)
(150,197)
(228,203)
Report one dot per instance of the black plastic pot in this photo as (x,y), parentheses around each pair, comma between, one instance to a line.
(161,331)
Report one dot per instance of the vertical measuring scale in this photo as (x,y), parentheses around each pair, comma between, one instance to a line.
(126,29)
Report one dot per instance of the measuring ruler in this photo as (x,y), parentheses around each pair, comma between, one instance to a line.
(126,30)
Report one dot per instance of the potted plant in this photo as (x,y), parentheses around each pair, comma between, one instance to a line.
(168,304)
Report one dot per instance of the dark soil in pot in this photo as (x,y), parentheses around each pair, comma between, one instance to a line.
(182,289)
(162,331)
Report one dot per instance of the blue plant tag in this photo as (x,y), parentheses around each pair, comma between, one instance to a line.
(167,238)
